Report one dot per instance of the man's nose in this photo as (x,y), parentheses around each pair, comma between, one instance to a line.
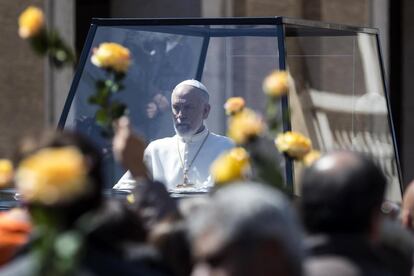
(181,114)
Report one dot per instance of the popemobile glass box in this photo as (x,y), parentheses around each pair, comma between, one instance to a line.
(338,100)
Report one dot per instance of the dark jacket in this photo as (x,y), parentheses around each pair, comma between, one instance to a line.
(113,244)
(344,255)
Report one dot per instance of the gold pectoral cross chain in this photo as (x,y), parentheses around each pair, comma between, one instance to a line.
(186,181)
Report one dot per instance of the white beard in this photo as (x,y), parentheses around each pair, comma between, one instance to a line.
(188,134)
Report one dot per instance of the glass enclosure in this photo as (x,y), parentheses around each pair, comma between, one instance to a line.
(338,100)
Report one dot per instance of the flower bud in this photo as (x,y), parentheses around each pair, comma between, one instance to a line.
(31,22)
(112,56)
(293,144)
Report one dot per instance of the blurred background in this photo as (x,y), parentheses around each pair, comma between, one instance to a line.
(33,96)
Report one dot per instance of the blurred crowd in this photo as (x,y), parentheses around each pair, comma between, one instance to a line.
(339,225)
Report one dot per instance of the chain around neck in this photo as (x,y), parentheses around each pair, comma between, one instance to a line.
(184,168)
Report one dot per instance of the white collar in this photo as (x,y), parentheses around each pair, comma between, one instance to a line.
(195,138)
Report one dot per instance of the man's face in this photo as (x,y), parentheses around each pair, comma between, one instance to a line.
(188,109)
(264,258)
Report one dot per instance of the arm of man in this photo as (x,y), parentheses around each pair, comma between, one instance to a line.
(128,149)
(151,199)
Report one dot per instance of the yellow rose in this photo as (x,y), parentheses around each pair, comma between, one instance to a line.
(293,144)
(31,22)
(52,175)
(230,166)
(276,84)
(245,125)
(112,56)
(234,105)
(6,172)
(311,157)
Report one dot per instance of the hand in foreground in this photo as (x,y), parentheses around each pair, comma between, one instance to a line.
(128,148)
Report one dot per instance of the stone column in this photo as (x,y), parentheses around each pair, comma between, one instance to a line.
(61,17)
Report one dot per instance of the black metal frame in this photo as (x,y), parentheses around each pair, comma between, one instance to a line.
(284,29)
(276,20)
(202,59)
(390,117)
(285,104)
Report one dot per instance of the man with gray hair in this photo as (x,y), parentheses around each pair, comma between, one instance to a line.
(183,161)
(246,229)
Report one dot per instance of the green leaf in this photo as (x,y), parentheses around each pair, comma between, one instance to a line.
(119,76)
(117,110)
(100,84)
(99,100)
(68,244)
(39,43)
(109,83)
(266,162)
(93,99)
(114,88)
(101,96)
(53,39)
(102,117)
(59,52)
(272,114)
(61,55)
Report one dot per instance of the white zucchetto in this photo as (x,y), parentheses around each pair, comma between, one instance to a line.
(193,83)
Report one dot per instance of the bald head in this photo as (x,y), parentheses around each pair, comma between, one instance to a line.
(338,161)
(341,192)
(246,229)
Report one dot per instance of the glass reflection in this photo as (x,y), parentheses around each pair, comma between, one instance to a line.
(338,98)
(160,61)
(339,101)
(163,56)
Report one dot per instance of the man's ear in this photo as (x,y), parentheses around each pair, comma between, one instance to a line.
(206,111)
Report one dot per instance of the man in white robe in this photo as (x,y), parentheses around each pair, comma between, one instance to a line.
(183,161)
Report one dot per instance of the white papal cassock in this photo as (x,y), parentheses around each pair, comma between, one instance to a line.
(165,159)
